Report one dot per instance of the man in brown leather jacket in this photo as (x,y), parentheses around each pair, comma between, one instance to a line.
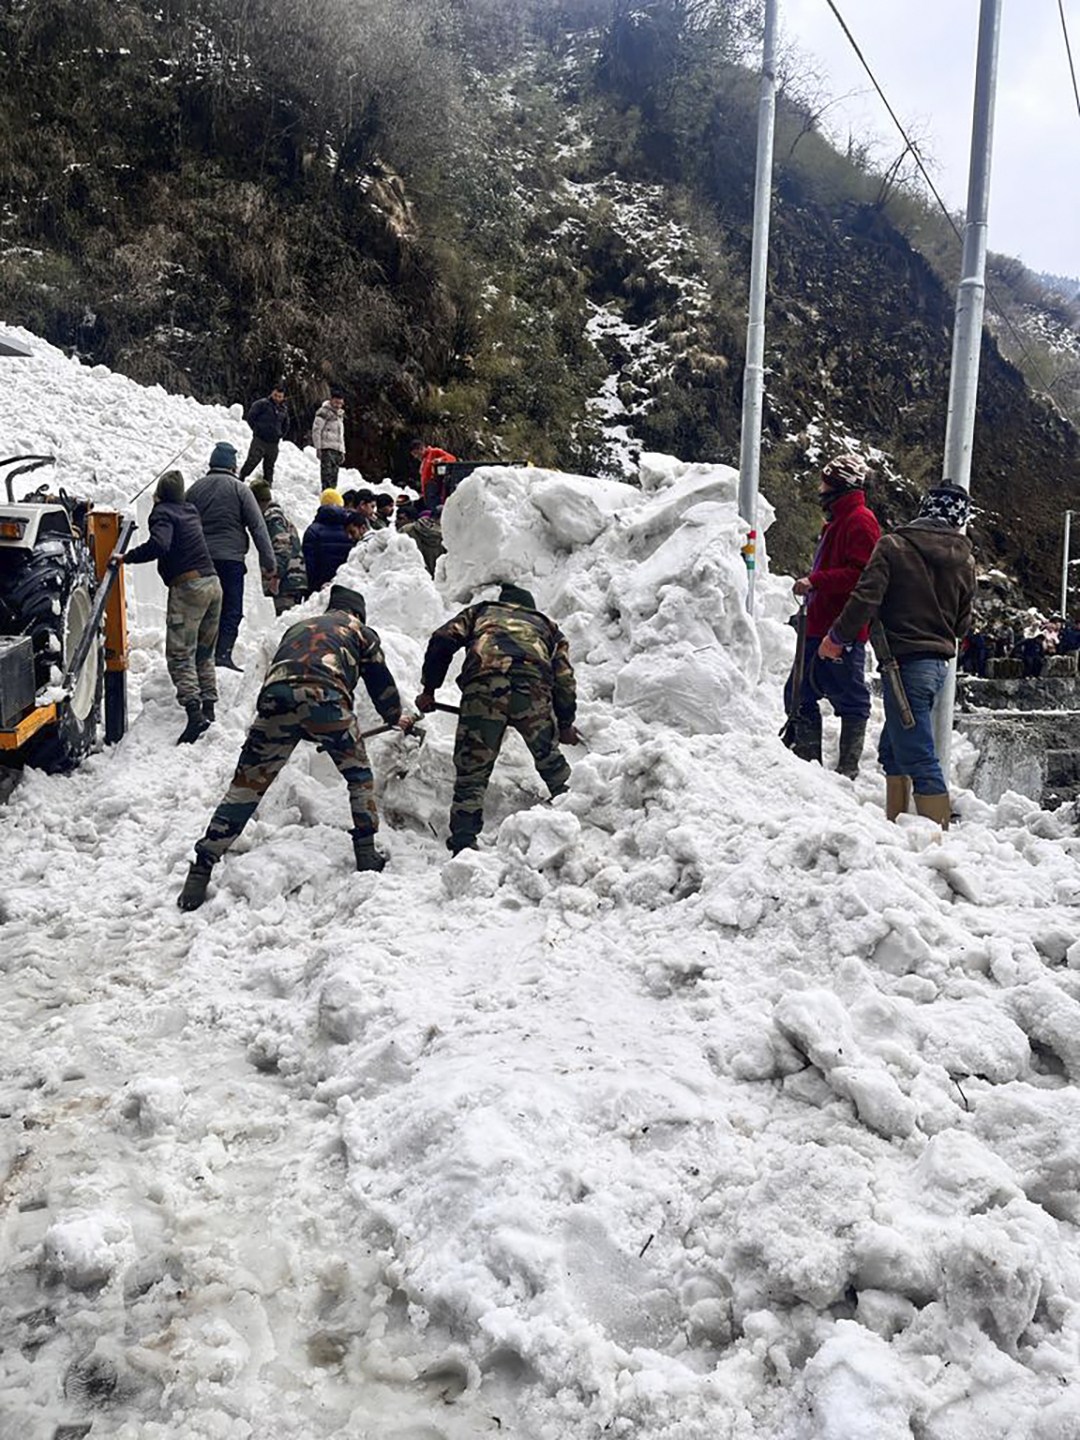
(920,582)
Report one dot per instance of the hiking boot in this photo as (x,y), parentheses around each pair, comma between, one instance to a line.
(935,807)
(457,843)
(208,709)
(197,723)
(367,857)
(224,661)
(194,892)
(804,737)
(852,737)
(897,796)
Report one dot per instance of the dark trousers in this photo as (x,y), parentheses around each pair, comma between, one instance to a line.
(841,682)
(261,450)
(231,574)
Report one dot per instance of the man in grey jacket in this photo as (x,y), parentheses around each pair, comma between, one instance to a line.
(229,514)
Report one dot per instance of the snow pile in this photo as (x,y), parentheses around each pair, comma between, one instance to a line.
(700,1102)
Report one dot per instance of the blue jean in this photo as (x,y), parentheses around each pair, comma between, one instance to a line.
(231,574)
(841,682)
(911,752)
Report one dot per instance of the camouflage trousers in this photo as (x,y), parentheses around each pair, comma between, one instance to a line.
(330,462)
(191,631)
(286,714)
(488,706)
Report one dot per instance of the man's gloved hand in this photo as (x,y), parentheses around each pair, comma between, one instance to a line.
(802,586)
(425,702)
(568,735)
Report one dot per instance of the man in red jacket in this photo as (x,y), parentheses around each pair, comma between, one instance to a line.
(432,488)
(850,534)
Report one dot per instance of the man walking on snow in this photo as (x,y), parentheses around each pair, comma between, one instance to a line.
(229,514)
(308,694)
(920,581)
(268,420)
(851,531)
(517,672)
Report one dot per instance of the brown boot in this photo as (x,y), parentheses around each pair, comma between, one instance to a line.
(897,796)
(935,807)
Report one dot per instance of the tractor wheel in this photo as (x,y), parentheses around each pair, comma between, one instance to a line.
(59,748)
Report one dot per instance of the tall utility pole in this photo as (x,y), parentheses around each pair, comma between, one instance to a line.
(970,299)
(1063,612)
(754,371)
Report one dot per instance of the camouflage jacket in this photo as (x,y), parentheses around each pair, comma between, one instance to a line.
(291,571)
(335,651)
(504,639)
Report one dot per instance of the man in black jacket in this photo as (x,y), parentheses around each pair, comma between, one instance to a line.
(194,609)
(269,420)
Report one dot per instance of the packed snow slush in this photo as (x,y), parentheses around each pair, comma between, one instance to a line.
(701,1102)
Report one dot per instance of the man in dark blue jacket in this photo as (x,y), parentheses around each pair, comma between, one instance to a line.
(178,545)
(329,538)
(269,420)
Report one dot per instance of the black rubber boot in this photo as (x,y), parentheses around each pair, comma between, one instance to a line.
(457,843)
(197,723)
(194,892)
(805,741)
(208,710)
(852,737)
(224,661)
(367,857)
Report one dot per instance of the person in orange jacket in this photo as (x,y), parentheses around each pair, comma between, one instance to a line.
(432,488)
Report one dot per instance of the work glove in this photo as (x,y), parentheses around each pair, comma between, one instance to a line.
(568,735)
(425,702)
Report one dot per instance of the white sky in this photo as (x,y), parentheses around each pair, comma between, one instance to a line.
(923,53)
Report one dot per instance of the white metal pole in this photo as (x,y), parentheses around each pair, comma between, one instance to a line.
(754,372)
(970,299)
(1065,566)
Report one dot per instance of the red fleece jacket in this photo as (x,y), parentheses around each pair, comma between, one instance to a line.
(845,546)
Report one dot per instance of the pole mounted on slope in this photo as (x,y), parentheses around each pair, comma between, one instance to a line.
(970,300)
(754,370)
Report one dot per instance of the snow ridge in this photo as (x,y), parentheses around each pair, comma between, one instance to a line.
(699,1102)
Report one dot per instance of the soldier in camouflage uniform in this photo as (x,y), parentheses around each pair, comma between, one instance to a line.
(517,672)
(290,585)
(308,695)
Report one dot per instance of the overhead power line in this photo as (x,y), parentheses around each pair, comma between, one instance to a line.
(1068,52)
(914,149)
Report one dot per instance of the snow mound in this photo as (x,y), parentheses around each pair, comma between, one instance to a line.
(700,1101)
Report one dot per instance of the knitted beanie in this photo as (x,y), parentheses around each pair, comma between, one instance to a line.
(223,456)
(515,595)
(171,487)
(947,503)
(331,497)
(342,598)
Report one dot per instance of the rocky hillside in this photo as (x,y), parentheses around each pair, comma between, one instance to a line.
(522,229)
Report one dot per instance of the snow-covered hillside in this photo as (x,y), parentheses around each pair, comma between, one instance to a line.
(700,1103)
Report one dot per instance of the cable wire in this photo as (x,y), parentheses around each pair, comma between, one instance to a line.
(914,149)
(1068,52)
